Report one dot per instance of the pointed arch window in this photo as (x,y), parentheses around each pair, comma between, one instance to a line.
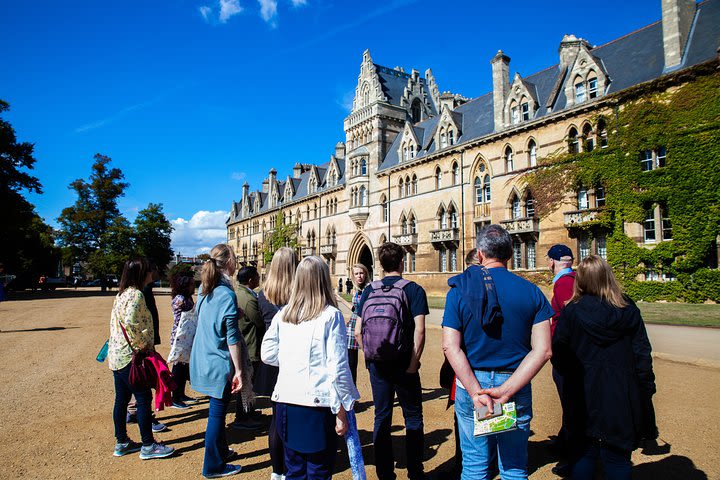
(486,188)
(588,138)
(525,110)
(453,217)
(401,188)
(403,224)
(442,218)
(592,86)
(532,153)
(573,141)
(602,133)
(384,204)
(529,205)
(509,167)
(579,90)
(443,138)
(363,167)
(407,186)
(516,210)
(413,224)
(438,178)
(414,184)
(451,136)
(363,196)
(477,185)
(455,174)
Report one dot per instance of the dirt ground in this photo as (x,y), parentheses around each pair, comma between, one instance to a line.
(57,407)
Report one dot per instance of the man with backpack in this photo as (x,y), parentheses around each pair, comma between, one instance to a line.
(391,331)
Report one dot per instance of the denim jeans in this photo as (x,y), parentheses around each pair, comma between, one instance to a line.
(511,447)
(385,381)
(216,446)
(616,462)
(123,392)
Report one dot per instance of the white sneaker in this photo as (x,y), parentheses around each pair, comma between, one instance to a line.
(277,476)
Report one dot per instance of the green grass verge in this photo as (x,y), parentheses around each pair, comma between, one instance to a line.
(697,315)
(346,296)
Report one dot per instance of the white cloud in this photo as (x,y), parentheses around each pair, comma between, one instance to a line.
(199,234)
(229,8)
(298,3)
(346,102)
(239,176)
(206,12)
(268,9)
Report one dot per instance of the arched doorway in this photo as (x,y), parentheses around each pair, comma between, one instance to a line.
(366,259)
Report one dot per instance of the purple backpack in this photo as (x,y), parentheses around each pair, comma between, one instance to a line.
(384,313)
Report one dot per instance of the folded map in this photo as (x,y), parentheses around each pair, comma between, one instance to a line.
(503,423)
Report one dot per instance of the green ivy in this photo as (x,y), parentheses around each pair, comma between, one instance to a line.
(686,121)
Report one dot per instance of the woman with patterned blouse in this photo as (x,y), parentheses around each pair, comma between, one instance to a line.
(360,277)
(182,286)
(130,313)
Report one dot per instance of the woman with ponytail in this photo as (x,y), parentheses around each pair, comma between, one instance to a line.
(219,364)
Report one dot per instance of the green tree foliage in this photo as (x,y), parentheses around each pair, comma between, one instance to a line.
(282,236)
(26,243)
(687,122)
(84,224)
(152,236)
(116,246)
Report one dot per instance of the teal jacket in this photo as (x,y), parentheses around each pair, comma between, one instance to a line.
(210,364)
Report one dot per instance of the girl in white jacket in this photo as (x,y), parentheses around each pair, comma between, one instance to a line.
(307,340)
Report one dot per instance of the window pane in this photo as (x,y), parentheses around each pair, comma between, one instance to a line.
(486,188)
(516,208)
(443,260)
(530,246)
(530,206)
(453,260)
(533,154)
(525,111)
(515,115)
(661,155)
(579,92)
(517,255)
(646,160)
(649,225)
(600,197)
(583,202)
(478,191)
(592,87)
(601,246)
(666,225)
(584,247)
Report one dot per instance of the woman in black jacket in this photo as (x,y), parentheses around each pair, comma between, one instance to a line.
(601,348)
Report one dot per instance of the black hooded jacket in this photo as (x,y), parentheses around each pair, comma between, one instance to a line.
(603,353)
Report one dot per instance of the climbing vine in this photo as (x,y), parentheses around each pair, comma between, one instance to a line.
(685,120)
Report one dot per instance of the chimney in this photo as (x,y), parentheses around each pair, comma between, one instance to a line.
(501,86)
(272,175)
(569,49)
(265,186)
(246,191)
(677,17)
(297,170)
(339,150)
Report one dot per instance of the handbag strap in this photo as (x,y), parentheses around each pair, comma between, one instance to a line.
(126,336)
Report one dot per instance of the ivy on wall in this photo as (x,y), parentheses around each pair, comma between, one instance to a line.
(684,119)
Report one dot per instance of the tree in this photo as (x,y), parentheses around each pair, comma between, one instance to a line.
(282,236)
(84,224)
(117,245)
(26,243)
(152,236)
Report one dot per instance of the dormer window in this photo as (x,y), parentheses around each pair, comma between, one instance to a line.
(443,139)
(515,115)
(579,91)
(593,88)
(525,111)
(405,150)
(412,151)
(451,137)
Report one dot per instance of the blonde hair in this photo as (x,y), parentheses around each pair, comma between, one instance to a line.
(221,257)
(595,277)
(311,292)
(280,276)
(364,269)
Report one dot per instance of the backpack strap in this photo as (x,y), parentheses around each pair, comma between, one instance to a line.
(376,285)
(401,283)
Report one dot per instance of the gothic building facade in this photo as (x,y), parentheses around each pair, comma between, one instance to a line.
(427,169)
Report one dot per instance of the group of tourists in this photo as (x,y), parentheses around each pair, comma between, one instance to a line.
(291,343)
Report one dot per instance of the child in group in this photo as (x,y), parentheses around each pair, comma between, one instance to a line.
(182,287)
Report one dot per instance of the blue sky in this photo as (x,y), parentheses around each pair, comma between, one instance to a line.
(191,98)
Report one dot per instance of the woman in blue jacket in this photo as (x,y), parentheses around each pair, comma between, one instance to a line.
(219,365)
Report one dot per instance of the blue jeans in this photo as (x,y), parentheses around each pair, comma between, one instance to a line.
(511,447)
(385,381)
(123,392)
(216,446)
(616,462)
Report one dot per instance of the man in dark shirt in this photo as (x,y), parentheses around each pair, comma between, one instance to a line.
(401,376)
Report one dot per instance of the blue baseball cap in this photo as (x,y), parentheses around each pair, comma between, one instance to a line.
(558,251)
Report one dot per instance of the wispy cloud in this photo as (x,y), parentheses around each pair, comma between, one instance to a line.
(298,3)
(239,176)
(346,101)
(206,12)
(127,110)
(199,234)
(221,11)
(388,8)
(268,10)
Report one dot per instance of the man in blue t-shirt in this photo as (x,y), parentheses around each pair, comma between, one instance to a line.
(401,376)
(495,353)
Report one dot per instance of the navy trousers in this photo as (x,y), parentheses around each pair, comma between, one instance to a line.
(216,446)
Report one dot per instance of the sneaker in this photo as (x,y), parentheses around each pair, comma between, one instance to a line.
(158,427)
(125,448)
(229,470)
(180,405)
(156,450)
(130,418)
(246,424)
(187,399)
(277,476)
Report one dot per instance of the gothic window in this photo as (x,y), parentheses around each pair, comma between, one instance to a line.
(443,138)
(486,188)
(384,204)
(363,167)
(532,153)
(516,210)
(408,191)
(363,196)
(403,224)
(517,254)
(529,205)
(401,188)
(592,86)
(442,218)
(573,141)
(508,159)
(477,184)
(601,243)
(451,136)
(315,210)
(530,255)
(312,185)
(453,259)
(416,111)
(525,111)
(412,150)
(588,138)
(413,224)
(514,113)
(453,217)
(438,178)
(365,95)
(455,174)
(405,151)
(414,184)
(602,133)
(579,90)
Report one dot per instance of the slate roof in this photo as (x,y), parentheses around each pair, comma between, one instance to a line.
(629,60)
(393,83)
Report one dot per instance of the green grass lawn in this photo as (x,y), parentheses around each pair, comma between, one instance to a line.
(698,315)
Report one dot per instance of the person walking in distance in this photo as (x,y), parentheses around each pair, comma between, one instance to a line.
(560,260)
(393,343)
(496,336)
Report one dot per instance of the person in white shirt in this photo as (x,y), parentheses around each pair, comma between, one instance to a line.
(307,340)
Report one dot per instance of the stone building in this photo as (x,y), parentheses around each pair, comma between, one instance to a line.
(427,169)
